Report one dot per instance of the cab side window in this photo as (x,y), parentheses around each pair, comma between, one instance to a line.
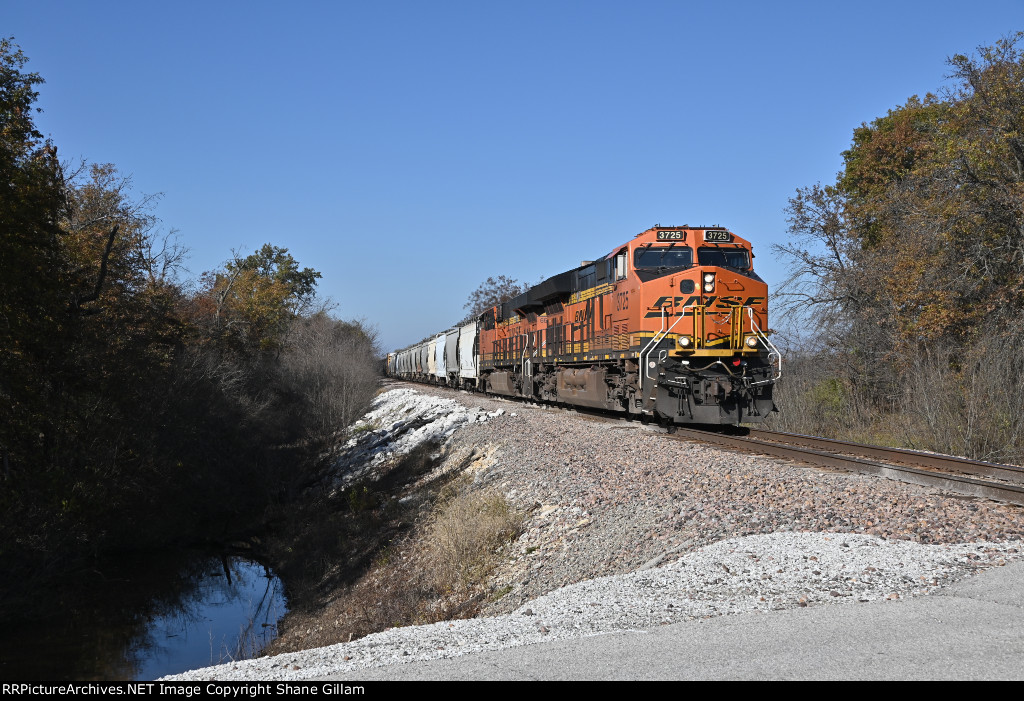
(620,265)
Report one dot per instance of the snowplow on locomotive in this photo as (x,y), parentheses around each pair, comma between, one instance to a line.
(670,326)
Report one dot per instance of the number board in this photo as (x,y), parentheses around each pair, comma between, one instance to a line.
(721,236)
(671,235)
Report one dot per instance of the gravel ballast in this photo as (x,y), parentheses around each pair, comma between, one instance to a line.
(628,528)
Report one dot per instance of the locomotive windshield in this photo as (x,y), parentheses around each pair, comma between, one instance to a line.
(664,257)
(724,257)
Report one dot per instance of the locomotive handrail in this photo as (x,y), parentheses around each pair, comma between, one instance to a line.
(526,347)
(774,355)
(654,339)
(772,350)
(654,342)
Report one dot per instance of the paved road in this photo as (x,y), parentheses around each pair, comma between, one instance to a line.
(973,630)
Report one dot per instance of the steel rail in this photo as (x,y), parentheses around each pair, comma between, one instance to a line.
(781,445)
(1012,473)
(1013,493)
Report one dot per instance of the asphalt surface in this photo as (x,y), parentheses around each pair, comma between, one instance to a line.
(971,630)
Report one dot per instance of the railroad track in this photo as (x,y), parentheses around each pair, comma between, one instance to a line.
(960,475)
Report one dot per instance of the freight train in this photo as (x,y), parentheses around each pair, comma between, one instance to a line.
(670,327)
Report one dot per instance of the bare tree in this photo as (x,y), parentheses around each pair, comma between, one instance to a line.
(492,292)
(820,291)
(334,365)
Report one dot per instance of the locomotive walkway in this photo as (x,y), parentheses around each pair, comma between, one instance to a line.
(971,630)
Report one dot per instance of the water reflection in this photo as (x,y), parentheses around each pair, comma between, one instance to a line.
(146,620)
(231,614)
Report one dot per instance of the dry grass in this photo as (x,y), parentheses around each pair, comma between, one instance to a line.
(964,400)
(435,570)
(464,534)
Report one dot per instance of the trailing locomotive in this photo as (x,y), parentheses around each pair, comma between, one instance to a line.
(669,326)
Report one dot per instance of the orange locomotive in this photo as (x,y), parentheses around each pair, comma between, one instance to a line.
(670,326)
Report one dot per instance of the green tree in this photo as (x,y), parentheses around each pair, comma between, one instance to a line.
(32,268)
(124,400)
(277,265)
(251,300)
(928,213)
(912,264)
(87,340)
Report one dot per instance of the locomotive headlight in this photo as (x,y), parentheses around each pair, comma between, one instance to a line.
(709,282)
(709,277)
(751,341)
(685,342)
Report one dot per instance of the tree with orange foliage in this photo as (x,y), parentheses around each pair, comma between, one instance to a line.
(912,263)
(251,300)
(926,221)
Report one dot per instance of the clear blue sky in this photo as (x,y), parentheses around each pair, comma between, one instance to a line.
(408,150)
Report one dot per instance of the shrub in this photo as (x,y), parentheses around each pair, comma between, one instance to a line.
(464,534)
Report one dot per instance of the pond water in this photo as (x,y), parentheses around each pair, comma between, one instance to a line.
(147,619)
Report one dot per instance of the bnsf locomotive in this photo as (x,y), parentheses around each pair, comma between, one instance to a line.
(668,327)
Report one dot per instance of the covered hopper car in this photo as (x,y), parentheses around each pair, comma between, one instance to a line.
(670,326)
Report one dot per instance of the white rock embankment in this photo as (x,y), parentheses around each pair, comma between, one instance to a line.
(399,421)
(627,529)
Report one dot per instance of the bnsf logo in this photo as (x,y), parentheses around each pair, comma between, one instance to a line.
(712,301)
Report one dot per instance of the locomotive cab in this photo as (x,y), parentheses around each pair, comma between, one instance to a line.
(702,352)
